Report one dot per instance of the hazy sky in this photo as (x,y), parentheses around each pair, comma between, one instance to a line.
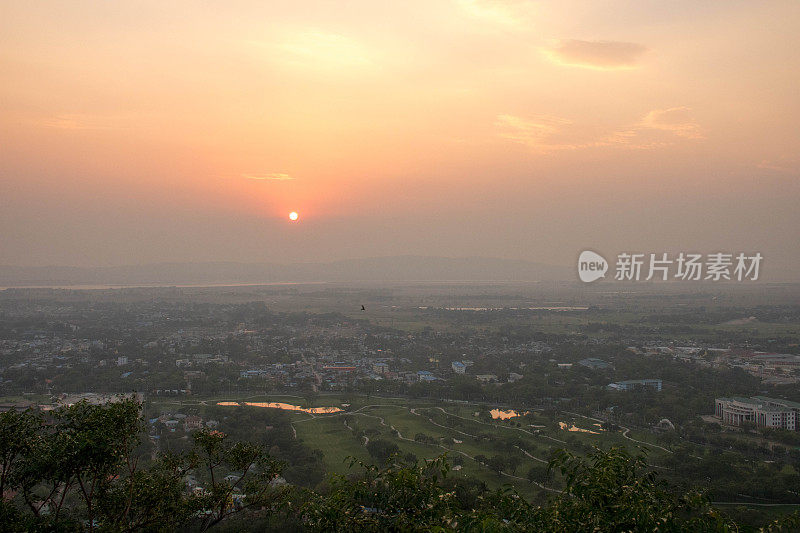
(136,132)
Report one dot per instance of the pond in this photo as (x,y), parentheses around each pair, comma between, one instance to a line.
(564,425)
(505,415)
(286,407)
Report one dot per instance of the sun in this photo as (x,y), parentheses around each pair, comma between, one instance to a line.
(293,216)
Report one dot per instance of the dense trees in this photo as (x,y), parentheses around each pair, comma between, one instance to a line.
(84,468)
(81,468)
(608,491)
(382,450)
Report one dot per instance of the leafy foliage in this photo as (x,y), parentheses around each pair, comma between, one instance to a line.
(78,468)
(400,497)
(613,491)
(609,491)
(84,468)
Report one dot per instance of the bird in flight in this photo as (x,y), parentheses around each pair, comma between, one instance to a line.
(363,308)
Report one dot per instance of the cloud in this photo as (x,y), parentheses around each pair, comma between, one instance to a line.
(635,138)
(785,164)
(78,122)
(273,176)
(535,132)
(545,133)
(677,120)
(657,129)
(322,49)
(509,12)
(598,55)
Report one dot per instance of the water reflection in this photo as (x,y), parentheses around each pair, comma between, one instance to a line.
(286,407)
(505,415)
(564,425)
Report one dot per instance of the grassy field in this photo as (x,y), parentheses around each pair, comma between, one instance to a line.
(465,432)
(428,429)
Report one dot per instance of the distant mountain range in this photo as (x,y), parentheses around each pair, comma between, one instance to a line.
(381,269)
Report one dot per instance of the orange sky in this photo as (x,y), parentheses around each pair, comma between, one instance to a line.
(136,132)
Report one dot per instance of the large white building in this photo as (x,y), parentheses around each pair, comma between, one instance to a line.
(632,384)
(758,410)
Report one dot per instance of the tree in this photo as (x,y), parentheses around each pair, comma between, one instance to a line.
(382,449)
(496,463)
(256,472)
(396,498)
(79,468)
(82,451)
(17,434)
(614,491)
(539,473)
(513,462)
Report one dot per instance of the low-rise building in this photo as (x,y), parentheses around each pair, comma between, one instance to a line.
(758,410)
(594,363)
(192,423)
(424,375)
(631,384)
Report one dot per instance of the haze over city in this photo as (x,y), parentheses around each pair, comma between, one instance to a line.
(447,265)
(149,132)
